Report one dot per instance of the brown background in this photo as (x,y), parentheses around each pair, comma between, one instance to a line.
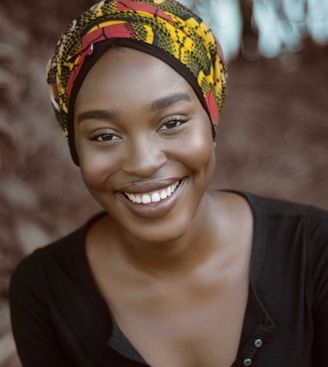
(272,138)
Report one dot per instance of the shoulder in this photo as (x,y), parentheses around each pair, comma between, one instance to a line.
(285,221)
(276,206)
(295,233)
(40,259)
(52,262)
(285,211)
(283,227)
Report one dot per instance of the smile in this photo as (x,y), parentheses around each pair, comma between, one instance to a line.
(154,196)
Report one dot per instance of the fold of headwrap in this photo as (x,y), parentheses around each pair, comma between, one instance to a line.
(164,28)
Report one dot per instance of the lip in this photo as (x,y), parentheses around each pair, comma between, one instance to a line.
(152,210)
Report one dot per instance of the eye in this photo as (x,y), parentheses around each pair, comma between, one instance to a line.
(172,123)
(105,136)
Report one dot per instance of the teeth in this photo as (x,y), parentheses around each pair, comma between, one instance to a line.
(146,199)
(153,197)
(163,195)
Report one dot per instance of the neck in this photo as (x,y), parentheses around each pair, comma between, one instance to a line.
(178,256)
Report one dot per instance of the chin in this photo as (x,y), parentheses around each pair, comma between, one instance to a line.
(155,232)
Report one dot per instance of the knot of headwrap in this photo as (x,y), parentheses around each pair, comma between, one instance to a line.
(169,28)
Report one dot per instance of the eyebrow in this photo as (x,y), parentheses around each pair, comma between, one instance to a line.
(96,114)
(168,101)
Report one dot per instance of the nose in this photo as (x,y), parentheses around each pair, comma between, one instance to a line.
(144,157)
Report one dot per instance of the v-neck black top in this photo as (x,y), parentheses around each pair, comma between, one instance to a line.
(60,319)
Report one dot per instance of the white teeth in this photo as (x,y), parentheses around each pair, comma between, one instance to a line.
(146,199)
(163,195)
(154,197)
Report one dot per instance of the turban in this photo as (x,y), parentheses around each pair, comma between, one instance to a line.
(164,28)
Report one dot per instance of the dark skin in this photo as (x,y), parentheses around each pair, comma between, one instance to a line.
(174,271)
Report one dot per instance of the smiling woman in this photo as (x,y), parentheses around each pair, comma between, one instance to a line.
(161,145)
(170,273)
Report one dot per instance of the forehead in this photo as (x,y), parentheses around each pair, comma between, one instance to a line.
(128,74)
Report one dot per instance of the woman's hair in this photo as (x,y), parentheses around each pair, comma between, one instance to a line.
(163,28)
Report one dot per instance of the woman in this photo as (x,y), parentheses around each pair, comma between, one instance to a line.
(171,273)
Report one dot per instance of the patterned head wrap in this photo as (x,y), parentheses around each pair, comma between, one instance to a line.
(163,28)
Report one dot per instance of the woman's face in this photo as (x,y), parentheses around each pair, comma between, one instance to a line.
(144,144)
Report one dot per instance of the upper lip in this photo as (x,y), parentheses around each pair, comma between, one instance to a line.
(140,187)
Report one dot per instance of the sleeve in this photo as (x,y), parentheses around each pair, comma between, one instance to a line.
(318,238)
(35,337)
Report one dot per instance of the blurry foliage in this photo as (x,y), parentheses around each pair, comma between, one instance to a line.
(43,19)
(264,27)
(32,195)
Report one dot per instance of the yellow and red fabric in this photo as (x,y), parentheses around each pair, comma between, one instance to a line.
(165,25)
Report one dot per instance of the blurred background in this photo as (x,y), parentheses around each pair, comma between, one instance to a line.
(272,139)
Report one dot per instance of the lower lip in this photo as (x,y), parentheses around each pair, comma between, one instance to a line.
(153,210)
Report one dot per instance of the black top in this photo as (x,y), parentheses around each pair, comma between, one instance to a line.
(60,319)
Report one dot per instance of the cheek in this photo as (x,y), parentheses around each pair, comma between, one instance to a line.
(198,151)
(92,176)
(97,168)
(95,164)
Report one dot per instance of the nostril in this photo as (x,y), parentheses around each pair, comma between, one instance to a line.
(144,165)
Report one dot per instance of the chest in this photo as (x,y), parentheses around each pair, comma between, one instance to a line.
(186,327)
